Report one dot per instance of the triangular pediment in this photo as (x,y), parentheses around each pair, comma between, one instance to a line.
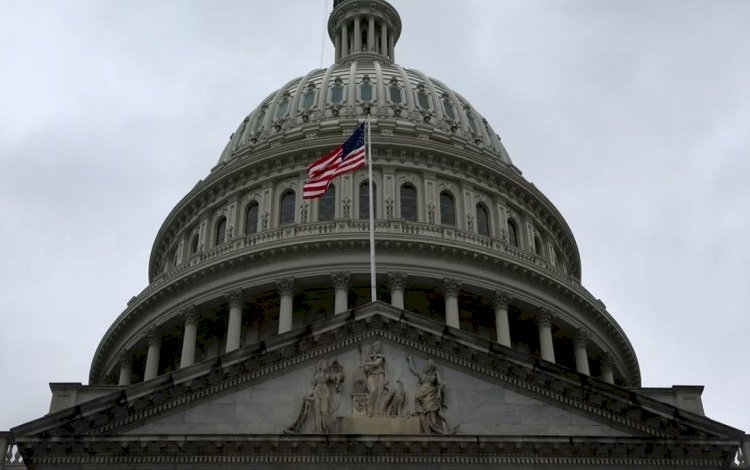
(468,404)
(488,390)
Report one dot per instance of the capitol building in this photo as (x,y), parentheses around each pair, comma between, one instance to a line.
(256,343)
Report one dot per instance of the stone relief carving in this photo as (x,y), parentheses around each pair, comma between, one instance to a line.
(429,401)
(373,367)
(347,207)
(378,405)
(389,203)
(323,400)
(303,213)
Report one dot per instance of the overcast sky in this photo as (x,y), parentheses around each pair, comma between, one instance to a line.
(632,116)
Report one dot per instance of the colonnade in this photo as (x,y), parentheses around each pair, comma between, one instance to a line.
(348,40)
(341,282)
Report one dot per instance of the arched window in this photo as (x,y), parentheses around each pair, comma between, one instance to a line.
(327,204)
(483,220)
(512,233)
(408,202)
(364,200)
(286,215)
(221,231)
(251,218)
(194,244)
(447,209)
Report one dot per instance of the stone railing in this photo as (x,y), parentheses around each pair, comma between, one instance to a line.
(342,227)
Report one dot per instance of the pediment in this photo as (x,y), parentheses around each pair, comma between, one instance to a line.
(488,390)
(448,400)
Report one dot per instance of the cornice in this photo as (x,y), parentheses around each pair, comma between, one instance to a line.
(469,451)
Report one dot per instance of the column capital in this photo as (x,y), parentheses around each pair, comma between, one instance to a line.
(153,336)
(285,285)
(543,318)
(581,338)
(341,280)
(397,281)
(125,359)
(235,297)
(450,287)
(500,299)
(190,315)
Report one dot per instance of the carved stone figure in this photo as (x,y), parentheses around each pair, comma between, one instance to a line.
(373,367)
(429,401)
(323,399)
(394,400)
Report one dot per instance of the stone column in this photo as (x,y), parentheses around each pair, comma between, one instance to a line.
(579,348)
(357,37)
(190,336)
(154,349)
(544,322)
(234,325)
(607,369)
(450,291)
(384,39)
(396,283)
(371,34)
(501,318)
(391,44)
(341,282)
(344,41)
(286,294)
(337,46)
(126,368)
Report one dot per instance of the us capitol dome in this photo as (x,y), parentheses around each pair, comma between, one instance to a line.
(256,292)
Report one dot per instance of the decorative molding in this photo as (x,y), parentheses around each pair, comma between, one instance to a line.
(450,287)
(543,318)
(235,298)
(500,300)
(397,281)
(190,315)
(153,336)
(285,286)
(341,280)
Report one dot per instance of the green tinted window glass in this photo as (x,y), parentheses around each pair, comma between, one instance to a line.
(365,91)
(337,94)
(395,94)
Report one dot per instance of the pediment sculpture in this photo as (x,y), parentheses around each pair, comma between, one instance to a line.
(378,404)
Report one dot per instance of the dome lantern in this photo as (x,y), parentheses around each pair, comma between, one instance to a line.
(364,27)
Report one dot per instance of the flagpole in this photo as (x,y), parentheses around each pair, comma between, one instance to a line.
(372,213)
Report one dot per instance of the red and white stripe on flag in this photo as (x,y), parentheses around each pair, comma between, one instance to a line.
(344,159)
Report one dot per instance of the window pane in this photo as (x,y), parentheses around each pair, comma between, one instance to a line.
(512,233)
(408,203)
(365,92)
(449,110)
(364,201)
(337,94)
(251,219)
(287,208)
(221,229)
(283,109)
(309,99)
(447,209)
(395,94)
(483,221)
(194,245)
(423,100)
(327,204)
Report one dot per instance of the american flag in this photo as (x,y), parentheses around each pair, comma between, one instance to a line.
(344,159)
